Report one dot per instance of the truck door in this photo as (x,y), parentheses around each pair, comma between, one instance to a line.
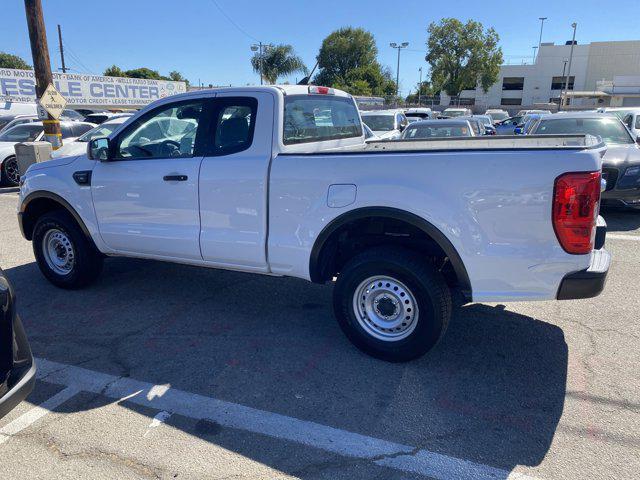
(233,181)
(146,196)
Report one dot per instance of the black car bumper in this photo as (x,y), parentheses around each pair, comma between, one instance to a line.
(591,281)
(17,368)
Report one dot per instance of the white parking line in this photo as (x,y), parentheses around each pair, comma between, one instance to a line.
(36,413)
(382,452)
(621,236)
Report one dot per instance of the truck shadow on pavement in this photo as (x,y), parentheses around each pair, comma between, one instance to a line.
(492,392)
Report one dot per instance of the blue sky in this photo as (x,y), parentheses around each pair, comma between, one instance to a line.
(195,38)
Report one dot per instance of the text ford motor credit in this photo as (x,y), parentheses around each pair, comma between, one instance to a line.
(279,181)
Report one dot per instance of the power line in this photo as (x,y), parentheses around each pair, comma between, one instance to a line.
(76,59)
(240,29)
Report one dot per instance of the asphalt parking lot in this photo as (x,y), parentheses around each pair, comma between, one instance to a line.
(167,371)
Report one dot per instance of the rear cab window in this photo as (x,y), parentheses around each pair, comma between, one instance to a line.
(317,118)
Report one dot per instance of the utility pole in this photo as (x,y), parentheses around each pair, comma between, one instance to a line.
(64,68)
(542,19)
(563,98)
(398,47)
(42,66)
(420,88)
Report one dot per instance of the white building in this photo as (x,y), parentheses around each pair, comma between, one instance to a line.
(602,74)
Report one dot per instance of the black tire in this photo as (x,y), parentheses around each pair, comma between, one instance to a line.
(8,166)
(87,263)
(426,284)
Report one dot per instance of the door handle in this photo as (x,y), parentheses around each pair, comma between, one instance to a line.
(175,178)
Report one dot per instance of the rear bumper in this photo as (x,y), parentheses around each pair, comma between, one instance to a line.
(587,283)
(590,282)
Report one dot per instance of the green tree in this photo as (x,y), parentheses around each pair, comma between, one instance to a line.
(144,72)
(176,76)
(347,60)
(8,60)
(276,62)
(114,71)
(462,55)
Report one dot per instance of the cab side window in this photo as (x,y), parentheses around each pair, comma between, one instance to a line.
(166,132)
(234,124)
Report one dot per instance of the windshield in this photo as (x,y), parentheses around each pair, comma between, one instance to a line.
(379,123)
(610,129)
(103,130)
(435,131)
(485,120)
(454,113)
(316,118)
(497,116)
(27,132)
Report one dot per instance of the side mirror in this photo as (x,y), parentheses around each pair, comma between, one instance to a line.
(638,139)
(99,149)
(401,127)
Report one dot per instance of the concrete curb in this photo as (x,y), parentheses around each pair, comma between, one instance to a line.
(9,190)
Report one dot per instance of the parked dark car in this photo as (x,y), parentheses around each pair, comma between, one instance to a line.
(621,161)
(17,368)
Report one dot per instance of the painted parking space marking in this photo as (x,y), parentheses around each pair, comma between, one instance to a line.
(622,236)
(36,413)
(166,399)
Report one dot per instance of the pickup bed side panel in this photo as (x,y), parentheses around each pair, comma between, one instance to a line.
(493,206)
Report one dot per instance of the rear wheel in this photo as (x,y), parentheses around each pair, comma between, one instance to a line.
(66,257)
(392,304)
(10,172)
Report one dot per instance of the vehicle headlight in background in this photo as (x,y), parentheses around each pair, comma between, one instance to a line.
(630,179)
(632,171)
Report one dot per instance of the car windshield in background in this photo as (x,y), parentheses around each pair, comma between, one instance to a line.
(454,113)
(435,131)
(498,116)
(379,123)
(310,118)
(27,132)
(103,130)
(611,130)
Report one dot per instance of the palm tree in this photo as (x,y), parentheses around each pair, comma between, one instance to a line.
(278,61)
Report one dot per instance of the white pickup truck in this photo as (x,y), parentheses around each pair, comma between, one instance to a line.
(279,181)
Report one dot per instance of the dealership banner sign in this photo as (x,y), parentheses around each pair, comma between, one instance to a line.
(88,90)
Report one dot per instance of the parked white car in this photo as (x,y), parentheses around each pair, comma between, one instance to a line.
(632,121)
(278,180)
(436,129)
(78,146)
(30,132)
(497,115)
(620,112)
(386,124)
(422,113)
(457,112)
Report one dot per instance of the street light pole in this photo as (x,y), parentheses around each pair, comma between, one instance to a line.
(542,19)
(420,88)
(534,54)
(566,83)
(259,48)
(398,47)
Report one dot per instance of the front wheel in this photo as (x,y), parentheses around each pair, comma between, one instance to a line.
(392,304)
(66,257)
(10,172)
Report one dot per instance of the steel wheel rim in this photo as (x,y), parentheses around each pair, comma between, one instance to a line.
(11,170)
(58,251)
(385,308)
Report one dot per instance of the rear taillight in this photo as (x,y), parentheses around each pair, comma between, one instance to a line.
(575,210)
(313,89)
